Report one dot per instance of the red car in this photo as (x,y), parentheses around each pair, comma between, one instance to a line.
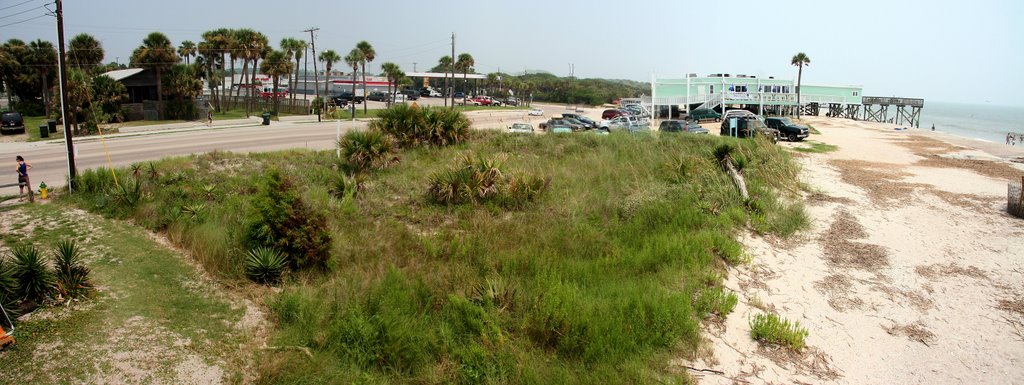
(482,101)
(612,114)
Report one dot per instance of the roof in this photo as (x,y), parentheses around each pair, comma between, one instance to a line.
(119,75)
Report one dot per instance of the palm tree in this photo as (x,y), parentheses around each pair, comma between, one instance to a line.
(393,73)
(209,56)
(187,49)
(85,52)
(329,57)
(368,55)
(241,48)
(446,63)
(42,58)
(156,53)
(799,60)
(292,49)
(465,63)
(217,44)
(354,59)
(276,65)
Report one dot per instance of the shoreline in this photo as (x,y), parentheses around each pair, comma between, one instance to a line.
(909,273)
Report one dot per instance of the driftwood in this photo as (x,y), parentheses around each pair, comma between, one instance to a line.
(737,178)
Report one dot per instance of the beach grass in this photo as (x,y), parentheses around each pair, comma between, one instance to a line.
(816,147)
(771,329)
(598,280)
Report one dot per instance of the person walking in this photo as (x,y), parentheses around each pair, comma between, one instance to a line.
(23,181)
(209,114)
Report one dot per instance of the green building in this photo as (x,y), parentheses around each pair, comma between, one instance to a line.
(759,95)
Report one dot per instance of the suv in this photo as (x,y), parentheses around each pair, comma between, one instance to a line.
(787,129)
(705,114)
(610,114)
(582,119)
(748,127)
(559,122)
(12,123)
(681,126)
(378,96)
(348,97)
(411,94)
(625,122)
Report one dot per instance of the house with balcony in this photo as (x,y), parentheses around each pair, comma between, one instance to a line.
(759,95)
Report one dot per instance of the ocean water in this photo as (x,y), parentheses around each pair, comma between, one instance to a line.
(978,121)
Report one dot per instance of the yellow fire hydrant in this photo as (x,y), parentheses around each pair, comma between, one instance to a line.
(42,190)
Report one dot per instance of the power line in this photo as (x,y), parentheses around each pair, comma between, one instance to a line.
(15,5)
(22,12)
(23,21)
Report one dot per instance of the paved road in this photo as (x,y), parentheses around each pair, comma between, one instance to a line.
(49,160)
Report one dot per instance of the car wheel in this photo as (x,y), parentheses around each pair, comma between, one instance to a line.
(792,138)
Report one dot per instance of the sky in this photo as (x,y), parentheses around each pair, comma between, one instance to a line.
(942,50)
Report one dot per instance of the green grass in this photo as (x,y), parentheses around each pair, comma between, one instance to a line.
(137,279)
(599,280)
(817,147)
(490,108)
(770,329)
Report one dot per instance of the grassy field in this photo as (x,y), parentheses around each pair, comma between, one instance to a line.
(601,280)
(151,315)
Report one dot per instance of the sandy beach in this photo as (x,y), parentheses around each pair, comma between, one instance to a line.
(911,272)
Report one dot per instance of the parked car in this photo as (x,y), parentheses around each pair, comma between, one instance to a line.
(536,112)
(560,129)
(399,97)
(411,94)
(582,119)
(561,122)
(378,96)
(348,96)
(705,114)
(460,95)
(748,127)
(511,101)
(521,128)
(736,113)
(787,129)
(430,93)
(339,101)
(681,126)
(586,126)
(12,123)
(625,122)
(609,114)
(635,110)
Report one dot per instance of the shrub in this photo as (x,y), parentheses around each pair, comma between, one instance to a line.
(8,285)
(769,328)
(715,300)
(412,126)
(481,180)
(35,279)
(71,275)
(283,221)
(265,265)
(343,186)
(367,150)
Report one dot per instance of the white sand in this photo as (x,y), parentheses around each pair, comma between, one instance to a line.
(927,312)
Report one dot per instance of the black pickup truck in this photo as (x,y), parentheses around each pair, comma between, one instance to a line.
(787,129)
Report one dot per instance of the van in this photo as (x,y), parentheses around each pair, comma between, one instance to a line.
(12,123)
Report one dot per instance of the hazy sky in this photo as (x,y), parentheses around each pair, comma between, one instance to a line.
(903,48)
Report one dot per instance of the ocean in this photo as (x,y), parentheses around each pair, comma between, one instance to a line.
(979,121)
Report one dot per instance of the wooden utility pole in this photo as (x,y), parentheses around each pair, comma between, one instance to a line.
(452,68)
(316,76)
(63,71)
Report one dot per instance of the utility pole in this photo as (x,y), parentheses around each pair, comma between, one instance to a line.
(452,68)
(62,68)
(413,66)
(316,75)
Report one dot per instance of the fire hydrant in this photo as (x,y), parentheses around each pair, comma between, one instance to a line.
(42,190)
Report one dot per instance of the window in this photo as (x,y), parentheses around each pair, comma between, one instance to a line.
(732,88)
(785,89)
(855,93)
(741,88)
(712,89)
(776,89)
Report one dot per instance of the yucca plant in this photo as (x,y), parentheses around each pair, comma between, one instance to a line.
(35,279)
(367,150)
(265,265)
(412,126)
(8,286)
(343,186)
(71,275)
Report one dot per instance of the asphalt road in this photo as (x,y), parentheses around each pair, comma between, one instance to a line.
(49,159)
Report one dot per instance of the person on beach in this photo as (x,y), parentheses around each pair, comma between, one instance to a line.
(209,114)
(933,126)
(23,181)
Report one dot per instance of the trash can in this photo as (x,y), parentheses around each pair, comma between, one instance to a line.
(44,130)
(266,118)
(53,125)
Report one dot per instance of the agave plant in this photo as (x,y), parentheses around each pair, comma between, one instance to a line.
(71,275)
(265,265)
(35,279)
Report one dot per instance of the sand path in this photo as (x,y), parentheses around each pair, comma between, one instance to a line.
(911,272)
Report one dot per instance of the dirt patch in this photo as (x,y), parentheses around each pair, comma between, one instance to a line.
(881,181)
(995,170)
(841,249)
(811,361)
(915,332)
(1011,305)
(924,146)
(838,288)
(819,198)
(939,271)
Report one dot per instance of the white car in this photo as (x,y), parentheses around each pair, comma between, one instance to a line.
(523,128)
(399,98)
(536,112)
